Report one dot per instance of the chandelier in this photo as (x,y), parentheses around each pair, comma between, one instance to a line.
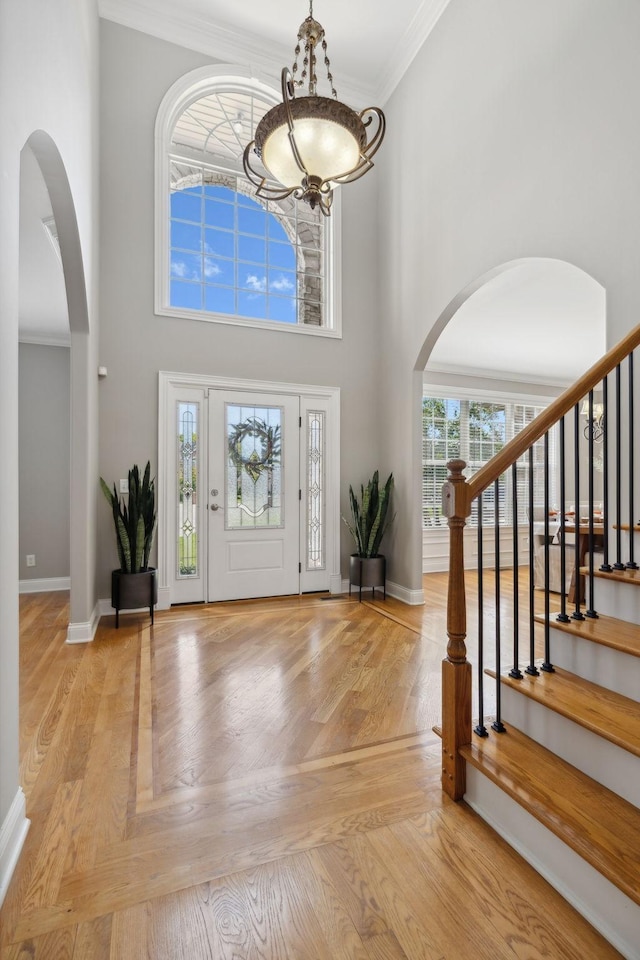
(594,415)
(310,144)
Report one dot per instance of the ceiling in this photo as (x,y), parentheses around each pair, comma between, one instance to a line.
(540,321)
(369,52)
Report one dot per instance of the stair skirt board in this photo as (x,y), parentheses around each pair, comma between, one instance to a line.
(605,762)
(608,910)
(592,661)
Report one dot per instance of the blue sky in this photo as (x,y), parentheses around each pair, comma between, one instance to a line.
(229,255)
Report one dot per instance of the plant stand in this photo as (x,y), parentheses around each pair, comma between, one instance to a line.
(133,591)
(368,572)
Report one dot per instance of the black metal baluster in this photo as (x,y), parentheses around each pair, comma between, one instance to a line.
(515,671)
(577,586)
(590,611)
(618,565)
(498,726)
(546,666)
(605,566)
(480,729)
(631,565)
(531,669)
(563,616)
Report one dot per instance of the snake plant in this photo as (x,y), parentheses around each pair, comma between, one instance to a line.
(135,522)
(370,515)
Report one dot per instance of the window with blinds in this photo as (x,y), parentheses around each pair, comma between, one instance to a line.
(474,431)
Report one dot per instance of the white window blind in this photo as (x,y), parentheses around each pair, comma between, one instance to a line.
(474,431)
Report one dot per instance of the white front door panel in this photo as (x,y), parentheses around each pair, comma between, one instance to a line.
(253,509)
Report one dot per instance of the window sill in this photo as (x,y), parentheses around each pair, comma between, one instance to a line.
(298,328)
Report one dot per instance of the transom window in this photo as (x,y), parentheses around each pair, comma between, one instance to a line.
(225,254)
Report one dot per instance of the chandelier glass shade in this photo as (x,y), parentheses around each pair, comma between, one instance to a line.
(310,144)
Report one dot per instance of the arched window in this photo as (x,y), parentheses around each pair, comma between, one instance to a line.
(222,253)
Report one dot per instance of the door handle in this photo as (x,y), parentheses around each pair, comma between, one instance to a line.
(214,506)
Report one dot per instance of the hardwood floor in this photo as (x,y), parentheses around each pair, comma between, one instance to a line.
(257,780)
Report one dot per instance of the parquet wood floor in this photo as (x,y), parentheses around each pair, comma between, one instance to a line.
(257,781)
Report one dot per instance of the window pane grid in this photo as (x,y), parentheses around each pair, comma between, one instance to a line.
(213,225)
(475,431)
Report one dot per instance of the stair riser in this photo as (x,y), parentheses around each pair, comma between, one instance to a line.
(616,599)
(613,914)
(592,661)
(604,762)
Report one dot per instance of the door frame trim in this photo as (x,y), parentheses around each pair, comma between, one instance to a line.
(330,395)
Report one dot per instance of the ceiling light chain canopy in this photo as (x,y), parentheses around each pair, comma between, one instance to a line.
(309,144)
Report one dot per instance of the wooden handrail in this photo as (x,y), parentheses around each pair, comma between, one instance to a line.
(554,412)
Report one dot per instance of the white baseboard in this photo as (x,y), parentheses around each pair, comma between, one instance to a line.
(335,583)
(44,585)
(12,836)
(164,598)
(84,632)
(412,597)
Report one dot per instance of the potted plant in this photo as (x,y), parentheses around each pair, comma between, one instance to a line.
(134,584)
(370,518)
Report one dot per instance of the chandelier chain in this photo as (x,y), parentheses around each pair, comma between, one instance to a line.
(310,33)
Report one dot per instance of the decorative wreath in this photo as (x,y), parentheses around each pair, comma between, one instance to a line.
(270,447)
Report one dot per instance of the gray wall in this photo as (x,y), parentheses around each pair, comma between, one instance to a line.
(44,424)
(137,70)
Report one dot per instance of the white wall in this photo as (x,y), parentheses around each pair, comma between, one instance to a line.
(137,70)
(48,82)
(508,137)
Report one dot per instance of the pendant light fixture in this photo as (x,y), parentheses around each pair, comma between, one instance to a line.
(309,144)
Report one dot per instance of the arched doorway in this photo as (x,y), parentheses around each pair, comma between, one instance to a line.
(81,501)
(513,339)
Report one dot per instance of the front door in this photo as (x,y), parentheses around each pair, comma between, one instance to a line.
(252,512)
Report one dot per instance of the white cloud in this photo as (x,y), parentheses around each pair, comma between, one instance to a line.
(178,268)
(256,283)
(211,269)
(282,284)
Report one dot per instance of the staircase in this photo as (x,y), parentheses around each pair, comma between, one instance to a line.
(557,772)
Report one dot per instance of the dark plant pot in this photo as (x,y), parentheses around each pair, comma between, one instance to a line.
(368,572)
(131,591)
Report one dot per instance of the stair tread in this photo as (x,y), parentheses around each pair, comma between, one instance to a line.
(602,828)
(609,714)
(623,576)
(607,631)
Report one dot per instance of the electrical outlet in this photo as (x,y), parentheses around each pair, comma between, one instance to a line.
(124,486)
(31,559)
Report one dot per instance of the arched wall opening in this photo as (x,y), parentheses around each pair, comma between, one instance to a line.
(81,498)
(521,333)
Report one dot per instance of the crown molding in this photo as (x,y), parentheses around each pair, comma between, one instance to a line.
(483,373)
(419,28)
(45,339)
(167,22)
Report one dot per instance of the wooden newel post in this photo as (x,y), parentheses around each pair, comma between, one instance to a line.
(456,670)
